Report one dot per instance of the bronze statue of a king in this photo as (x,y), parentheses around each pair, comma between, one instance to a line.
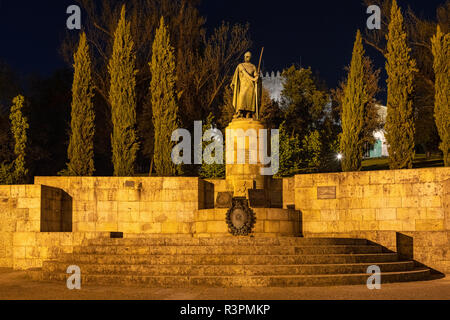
(247,88)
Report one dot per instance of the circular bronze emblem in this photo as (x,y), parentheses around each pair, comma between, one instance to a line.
(240,218)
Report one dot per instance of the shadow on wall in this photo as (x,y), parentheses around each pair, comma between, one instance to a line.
(300,221)
(66,212)
(56,210)
(206,195)
(405,246)
(405,251)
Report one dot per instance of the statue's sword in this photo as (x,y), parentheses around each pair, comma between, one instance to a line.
(256,85)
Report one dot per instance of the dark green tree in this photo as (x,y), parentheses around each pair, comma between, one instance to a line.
(205,61)
(353,106)
(307,117)
(8,90)
(400,69)
(289,153)
(419,30)
(441,51)
(164,101)
(81,145)
(122,96)
(19,127)
(6,173)
(215,170)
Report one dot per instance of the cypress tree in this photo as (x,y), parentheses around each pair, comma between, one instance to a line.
(353,105)
(19,126)
(400,69)
(81,145)
(122,96)
(441,52)
(164,101)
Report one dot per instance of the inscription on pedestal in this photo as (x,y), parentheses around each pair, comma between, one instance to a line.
(326,192)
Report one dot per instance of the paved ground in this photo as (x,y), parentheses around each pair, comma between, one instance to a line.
(15,286)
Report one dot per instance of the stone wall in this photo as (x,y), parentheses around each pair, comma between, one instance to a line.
(288,192)
(25,211)
(39,222)
(31,249)
(398,200)
(274,191)
(133,205)
(404,210)
(446,204)
(270,222)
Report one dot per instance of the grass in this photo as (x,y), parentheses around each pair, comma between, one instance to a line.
(420,161)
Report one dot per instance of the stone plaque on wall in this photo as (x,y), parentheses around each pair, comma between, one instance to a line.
(129,184)
(224,200)
(326,192)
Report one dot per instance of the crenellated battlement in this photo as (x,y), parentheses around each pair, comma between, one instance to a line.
(273,82)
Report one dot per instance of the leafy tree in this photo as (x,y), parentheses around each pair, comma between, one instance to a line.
(205,62)
(303,103)
(6,140)
(289,153)
(6,173)
(353,106)
(226,110)
(419,31)
(400,68)
(164,101)
(270,114)
(19,127)
(122,96)
(312,151)
(208,171)
(81,146)
(372,120)
(308,120)
(8,89)
(441,52)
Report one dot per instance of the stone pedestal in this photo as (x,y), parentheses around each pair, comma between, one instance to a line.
(270,222)
(242,143)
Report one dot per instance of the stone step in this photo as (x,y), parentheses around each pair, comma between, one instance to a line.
(228,270)
(236,281)
(224,259)
(238,250)
(223,241)
(185,261)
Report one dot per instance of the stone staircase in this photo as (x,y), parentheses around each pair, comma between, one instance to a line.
(229,262)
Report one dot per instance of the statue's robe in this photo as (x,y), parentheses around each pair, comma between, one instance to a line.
(246,92)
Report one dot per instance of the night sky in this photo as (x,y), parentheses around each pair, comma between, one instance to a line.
(319,34)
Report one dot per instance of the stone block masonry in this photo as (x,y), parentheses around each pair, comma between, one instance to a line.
(404,210)
(133,205)
(38,222)
(25,212)
(399,200)
(402,203)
